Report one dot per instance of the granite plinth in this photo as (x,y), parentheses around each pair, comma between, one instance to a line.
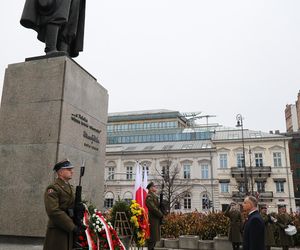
(51,109)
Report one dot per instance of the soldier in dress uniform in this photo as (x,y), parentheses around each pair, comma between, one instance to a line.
(269,227)
(283,220)
(155,215)
(236,223)
(59,203)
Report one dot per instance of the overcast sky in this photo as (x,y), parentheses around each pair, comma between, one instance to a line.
(220,57)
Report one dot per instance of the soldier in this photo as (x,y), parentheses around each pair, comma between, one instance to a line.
(269,227)
(283,220)
(59,202)
(236,222)
(155,215)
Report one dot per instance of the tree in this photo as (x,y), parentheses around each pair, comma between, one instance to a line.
(173,186)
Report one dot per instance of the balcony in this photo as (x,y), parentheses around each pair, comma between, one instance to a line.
(257,172)
(264,196)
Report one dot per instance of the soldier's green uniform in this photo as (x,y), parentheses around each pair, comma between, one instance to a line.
(283,220)
(235,226)
(269,231)
(58,198)
(155,216)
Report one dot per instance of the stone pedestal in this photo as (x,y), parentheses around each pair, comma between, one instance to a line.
(188,241)
(222,242)
(51,109)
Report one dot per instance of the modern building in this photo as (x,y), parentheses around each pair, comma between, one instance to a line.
(205,161)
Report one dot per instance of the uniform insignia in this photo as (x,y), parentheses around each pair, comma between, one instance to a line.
(50,190)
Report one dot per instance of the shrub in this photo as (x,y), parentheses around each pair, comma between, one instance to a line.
(206,225)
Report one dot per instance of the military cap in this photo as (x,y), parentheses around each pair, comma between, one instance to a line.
(63,164)
(151,184)
(263,206)
(281,205)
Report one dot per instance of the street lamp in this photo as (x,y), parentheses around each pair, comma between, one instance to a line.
(239,119)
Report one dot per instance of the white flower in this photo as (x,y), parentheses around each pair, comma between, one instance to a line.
(94,215)
(97,222)
(97,227)
(95,210)
(99,230)
(94,224)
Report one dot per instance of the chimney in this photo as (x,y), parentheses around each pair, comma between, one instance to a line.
(277,132)
(271,132)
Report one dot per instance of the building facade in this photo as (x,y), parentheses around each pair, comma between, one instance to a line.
(292,118)
(205,161)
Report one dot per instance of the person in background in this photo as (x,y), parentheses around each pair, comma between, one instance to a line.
(254,228)
(283,220)
(269,227)
(155,215)
(236,222)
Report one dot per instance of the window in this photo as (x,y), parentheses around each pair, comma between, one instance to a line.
(258,160)
(109,200)
(187,202)
(298,172)
(204,171)
(111,173)
(223,160)
(279,186)
(260,186)
(177,205)
(277,159)
(205,202)
(186,171)
(297,157)
(129,172)
(224,187)
(241,187)
(239,160)
(145,168)
(127,197)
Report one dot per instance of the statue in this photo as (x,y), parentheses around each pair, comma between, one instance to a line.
(58,23)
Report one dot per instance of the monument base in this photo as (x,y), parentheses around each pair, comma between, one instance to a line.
(51,109)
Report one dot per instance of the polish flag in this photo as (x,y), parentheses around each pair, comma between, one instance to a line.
(140,192)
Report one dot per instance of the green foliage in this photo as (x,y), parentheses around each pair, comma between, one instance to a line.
(206,225)
(119,206)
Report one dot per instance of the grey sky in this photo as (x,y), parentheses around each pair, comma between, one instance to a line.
(220,57)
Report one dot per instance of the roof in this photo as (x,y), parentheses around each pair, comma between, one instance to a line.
(223,133)
(160,146)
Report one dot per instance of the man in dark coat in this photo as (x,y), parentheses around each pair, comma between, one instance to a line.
(155,215)
(59,24)
(254,229)
(59,201)
(236,221)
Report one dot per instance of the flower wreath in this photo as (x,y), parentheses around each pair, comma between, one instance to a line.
(139,222)
(99,233)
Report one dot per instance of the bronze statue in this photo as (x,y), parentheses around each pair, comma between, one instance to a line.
(59,24)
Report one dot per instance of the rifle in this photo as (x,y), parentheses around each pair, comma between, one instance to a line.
(78,206)
(161,202)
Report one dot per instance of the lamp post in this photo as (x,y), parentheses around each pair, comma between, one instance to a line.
(239,119)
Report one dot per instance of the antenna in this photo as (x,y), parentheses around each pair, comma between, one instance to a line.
(191,117)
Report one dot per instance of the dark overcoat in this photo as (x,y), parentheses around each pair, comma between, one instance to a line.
(58,198)
(283,220)
(155,216)
(68,14)
(254,232)
(235,226)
